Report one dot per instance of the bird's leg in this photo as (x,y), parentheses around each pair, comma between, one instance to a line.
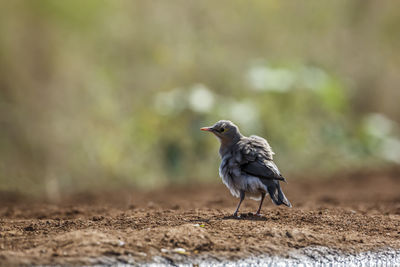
(240,202)
(261,202)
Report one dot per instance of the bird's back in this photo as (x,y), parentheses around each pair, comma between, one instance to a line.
(255,147)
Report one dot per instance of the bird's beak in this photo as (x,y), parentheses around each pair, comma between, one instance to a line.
(207,129)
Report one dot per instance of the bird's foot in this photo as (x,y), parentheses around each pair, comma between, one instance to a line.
(257,214)
(236,215)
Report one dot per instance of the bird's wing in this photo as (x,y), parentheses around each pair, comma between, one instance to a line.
(264,170)
(256,158)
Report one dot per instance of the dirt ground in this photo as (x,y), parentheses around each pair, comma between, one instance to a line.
(355,213)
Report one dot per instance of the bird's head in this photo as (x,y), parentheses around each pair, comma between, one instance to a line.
(226,131)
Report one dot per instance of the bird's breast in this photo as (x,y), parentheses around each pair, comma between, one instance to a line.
(229,168)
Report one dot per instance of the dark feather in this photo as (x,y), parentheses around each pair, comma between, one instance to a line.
(276,194)
(262,171)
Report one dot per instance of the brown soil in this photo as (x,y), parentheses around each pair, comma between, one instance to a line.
(357,213)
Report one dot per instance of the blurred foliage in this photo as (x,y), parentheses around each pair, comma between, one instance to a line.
(100,94)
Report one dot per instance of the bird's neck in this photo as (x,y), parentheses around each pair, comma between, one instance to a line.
(226,145)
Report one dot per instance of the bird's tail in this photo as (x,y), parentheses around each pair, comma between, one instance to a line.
(276,194)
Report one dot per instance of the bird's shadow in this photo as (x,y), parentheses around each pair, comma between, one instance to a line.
(246,216)
(243,216)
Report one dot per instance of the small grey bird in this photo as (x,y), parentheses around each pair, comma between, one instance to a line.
(247,166)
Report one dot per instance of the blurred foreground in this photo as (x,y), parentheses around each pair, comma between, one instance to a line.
(109,94)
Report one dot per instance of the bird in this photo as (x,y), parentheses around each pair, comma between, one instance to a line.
(247,166)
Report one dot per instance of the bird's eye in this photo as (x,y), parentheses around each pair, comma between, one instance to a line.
(222,130)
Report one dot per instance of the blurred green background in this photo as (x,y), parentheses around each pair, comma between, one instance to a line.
(110,94)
